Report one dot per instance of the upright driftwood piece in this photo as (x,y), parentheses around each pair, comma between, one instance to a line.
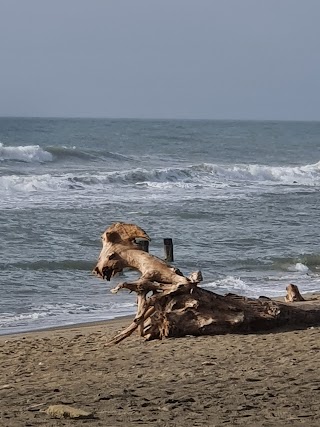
(170,304)
(293,294)
(168,250)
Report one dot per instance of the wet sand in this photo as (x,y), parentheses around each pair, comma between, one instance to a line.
(254,380)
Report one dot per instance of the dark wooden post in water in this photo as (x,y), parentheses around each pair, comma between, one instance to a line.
(144,245)
(168,250)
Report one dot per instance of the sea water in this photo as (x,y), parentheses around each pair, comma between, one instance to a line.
(239,199)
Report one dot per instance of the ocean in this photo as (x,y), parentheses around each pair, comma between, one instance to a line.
(240,199)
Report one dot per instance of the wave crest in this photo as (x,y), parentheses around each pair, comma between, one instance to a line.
(27,154)
(36,154)
(194,176)
(305,175)
(61,153)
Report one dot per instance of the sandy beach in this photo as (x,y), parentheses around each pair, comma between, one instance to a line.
(258,380)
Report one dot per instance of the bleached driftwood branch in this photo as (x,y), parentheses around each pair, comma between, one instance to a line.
(170,304)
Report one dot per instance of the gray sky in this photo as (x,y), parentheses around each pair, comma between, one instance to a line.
(219,59)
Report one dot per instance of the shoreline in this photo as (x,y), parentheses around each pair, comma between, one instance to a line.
(81,325)
(97,323)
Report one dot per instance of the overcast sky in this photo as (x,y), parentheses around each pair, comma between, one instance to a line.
(219,59)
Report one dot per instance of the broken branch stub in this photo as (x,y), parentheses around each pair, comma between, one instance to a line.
(293,294)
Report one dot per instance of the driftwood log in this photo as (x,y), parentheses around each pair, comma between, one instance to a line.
(170,304)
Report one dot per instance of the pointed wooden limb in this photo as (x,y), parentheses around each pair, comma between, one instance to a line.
(140,285)
(132,327)
(143,285)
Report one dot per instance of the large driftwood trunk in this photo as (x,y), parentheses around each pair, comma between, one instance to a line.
(206,313)
(197,311)
(172,305)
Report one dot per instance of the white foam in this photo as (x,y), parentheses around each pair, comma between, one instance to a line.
(230,283)
(12,318)
(298,267)
(303,175)
(62,313)
(27,153)
(218,176)
(27,184)
(227,181)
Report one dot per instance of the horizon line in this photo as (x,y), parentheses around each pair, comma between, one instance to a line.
(156,118)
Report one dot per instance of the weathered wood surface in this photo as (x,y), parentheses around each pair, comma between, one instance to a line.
(173,305)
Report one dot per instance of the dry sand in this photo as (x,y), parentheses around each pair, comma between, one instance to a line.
(255,380)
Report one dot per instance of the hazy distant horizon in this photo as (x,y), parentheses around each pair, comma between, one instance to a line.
(160,119)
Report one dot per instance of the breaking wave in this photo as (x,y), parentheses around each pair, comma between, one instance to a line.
(302,263)
(301,268)
(27,154)
(304,175)
(195,176)
(229,284)
(36,154)
(47,182)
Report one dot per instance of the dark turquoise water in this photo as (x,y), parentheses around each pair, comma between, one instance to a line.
(239,199)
